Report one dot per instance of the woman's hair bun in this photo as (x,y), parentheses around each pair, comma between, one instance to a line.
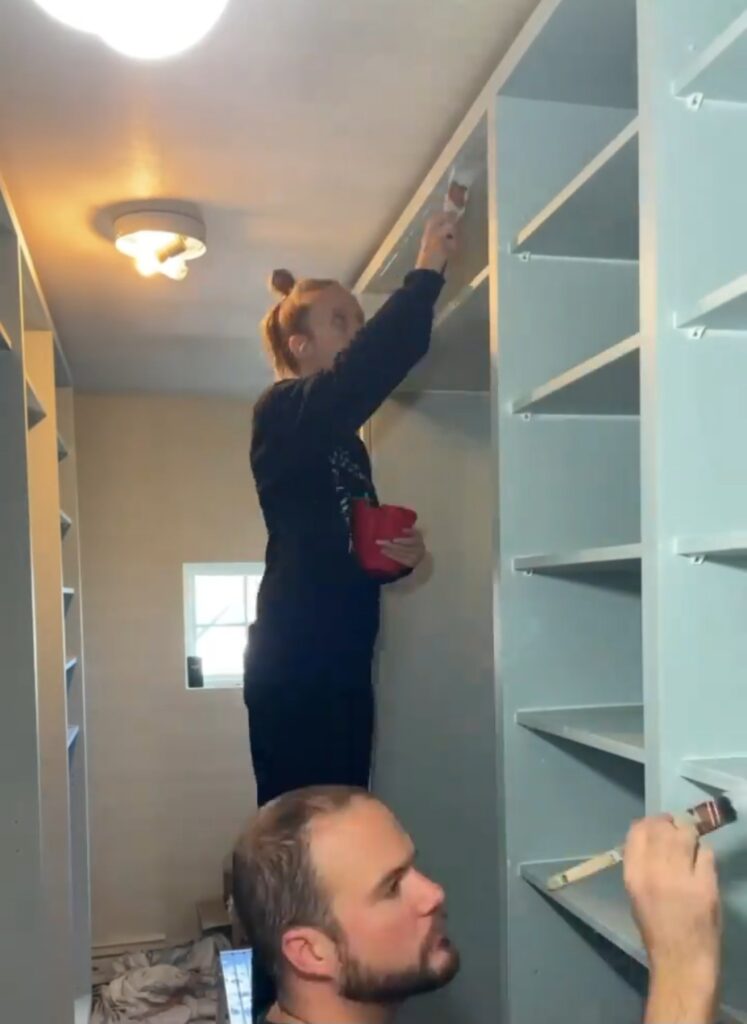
(282,282)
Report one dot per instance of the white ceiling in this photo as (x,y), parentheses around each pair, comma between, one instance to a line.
(299,128)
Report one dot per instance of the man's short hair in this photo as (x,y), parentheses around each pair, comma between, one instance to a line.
(275,885)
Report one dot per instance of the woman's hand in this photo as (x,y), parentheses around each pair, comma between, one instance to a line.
(439,242)
(407,550)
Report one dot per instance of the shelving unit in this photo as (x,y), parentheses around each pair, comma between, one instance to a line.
(611,331)
(42,729)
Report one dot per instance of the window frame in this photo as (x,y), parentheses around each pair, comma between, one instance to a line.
(190,571)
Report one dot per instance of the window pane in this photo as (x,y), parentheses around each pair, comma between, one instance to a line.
(252,591)
(219,600)
(222,650)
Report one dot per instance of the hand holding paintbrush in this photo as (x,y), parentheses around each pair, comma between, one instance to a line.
(705,817)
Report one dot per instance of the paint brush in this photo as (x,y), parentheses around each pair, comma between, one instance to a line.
(705,817)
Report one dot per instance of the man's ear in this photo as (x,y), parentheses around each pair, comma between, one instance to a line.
(310,953)
(299,344)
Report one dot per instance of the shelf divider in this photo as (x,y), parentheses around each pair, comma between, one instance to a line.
(719,772)
(613,728)
(724,309)
(717,72)
(715,547)
(35,411)
(607,384)
(65,522)
(618,558)
(70,666)
(596,215)
(600,902)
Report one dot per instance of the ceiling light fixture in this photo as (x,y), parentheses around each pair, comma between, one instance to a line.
(145,29)
(160,243)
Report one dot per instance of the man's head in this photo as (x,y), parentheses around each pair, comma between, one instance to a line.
(326,886)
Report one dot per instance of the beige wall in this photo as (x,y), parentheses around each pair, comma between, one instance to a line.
(162,481)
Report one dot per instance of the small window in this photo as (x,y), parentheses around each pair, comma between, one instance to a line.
(220,603)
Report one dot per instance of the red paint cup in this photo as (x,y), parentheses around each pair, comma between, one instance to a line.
(372,524)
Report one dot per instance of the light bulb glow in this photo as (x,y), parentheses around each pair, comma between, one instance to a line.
(145,238)
(147,264)
(144,29)
(175,268)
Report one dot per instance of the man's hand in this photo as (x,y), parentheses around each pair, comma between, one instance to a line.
(439,242)
(673,887)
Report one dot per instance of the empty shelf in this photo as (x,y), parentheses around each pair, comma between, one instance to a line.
(719,772)
(621,558)
(606,385)
(721,546)
(67,596)
(62,451)
(5,343)
(614,728)
(724,309)
(34,409)
(596,215)
(72,735)
(719,71)
(70,666)
(65,522)
(600,902)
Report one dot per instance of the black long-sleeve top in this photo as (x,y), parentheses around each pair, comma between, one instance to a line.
(309,464)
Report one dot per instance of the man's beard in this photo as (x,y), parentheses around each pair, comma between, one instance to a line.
(362,984)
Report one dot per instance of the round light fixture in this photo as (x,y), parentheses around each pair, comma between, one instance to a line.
(159,242)
(146,29)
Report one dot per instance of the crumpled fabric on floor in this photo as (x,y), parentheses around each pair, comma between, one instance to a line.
(173,986)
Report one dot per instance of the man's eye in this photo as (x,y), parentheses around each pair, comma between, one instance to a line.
(394,887)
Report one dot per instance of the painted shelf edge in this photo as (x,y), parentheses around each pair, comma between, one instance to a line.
(35,411)
(567,723)
(68,596)
(723,309)
(691,80)
(522,242)
(585,371)
(574,898)
(70,666)
(720,772)
(73,733)
(621,557)
(714,545)
(62,449)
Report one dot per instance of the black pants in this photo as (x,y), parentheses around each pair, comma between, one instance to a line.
(306,728)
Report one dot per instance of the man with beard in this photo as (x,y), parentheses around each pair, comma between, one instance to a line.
(325,883)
